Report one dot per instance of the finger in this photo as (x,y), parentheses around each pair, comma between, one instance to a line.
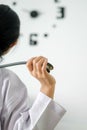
(35,62)
(39,65)
(44,65)
(29,63)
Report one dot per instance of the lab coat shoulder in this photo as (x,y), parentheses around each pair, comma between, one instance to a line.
(15,100)
(12,87)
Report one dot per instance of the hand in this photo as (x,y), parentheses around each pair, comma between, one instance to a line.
(37,68)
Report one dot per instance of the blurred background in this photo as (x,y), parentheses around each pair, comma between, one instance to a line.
(56,29)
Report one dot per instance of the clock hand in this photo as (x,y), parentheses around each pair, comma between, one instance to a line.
(48,68)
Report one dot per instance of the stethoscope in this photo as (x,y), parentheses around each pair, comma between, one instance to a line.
(48,68)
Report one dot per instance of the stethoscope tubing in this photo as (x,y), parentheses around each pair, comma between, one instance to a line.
(49,66)
(13,64)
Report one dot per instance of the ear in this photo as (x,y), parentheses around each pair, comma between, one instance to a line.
(13,44)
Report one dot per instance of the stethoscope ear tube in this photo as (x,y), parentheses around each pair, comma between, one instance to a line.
(48,68)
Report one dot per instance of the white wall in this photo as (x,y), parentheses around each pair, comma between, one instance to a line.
(66,49)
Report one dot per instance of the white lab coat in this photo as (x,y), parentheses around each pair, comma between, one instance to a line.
(15,113)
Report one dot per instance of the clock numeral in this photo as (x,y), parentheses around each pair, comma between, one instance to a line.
(61,11)
(33,40)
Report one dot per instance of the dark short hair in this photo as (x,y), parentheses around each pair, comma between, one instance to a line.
(9,27)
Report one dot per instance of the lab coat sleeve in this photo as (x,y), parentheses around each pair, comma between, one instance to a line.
(16,115)
(48,112)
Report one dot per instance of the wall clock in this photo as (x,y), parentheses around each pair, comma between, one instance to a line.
(38,17)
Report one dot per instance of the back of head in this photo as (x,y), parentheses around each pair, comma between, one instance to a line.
(9,27)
